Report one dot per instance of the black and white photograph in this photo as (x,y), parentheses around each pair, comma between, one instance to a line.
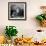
(16,10)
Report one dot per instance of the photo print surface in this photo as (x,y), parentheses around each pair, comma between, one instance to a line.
(17,10)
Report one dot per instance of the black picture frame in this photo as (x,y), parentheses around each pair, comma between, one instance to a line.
(22,6)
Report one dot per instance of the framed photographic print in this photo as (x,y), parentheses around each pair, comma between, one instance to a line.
(16,10)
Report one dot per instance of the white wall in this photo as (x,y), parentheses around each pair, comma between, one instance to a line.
(24,27)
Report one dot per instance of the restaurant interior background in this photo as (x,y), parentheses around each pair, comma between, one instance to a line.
(26,28)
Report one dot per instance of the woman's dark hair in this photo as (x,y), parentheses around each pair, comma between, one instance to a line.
(12,10)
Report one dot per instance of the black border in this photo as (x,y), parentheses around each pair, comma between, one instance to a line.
(25,11)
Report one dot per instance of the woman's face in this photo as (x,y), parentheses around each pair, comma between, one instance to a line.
(17,10)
